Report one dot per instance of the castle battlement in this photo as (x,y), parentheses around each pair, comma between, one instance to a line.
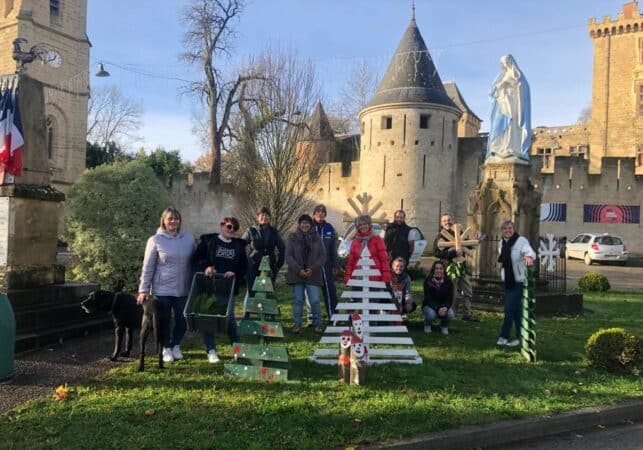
(628,21)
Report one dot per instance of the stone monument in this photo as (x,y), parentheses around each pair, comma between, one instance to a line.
(505,192)
(46,309)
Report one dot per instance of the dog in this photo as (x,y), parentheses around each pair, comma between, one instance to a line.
(128,316)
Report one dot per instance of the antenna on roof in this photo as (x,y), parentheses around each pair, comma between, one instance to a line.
(413,10)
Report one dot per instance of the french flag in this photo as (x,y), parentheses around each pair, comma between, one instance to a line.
(11,139)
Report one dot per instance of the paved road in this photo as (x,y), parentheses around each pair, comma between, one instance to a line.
(621,278)
(624,437)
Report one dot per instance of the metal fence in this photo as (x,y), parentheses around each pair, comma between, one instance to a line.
(551,276)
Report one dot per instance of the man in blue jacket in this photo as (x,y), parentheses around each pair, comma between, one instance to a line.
(329,239)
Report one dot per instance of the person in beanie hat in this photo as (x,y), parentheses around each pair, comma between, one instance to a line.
(263,240)
(305,258)
(328,237)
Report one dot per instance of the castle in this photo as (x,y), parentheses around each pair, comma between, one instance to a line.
(419,147)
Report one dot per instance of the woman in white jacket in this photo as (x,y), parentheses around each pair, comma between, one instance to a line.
(515,255)
(167,274)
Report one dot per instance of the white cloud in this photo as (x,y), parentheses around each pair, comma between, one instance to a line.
(172,132)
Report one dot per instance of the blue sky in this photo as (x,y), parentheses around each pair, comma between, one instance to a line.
(466,39)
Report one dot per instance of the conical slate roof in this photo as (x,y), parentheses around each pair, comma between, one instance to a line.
(319,128)
(411,76)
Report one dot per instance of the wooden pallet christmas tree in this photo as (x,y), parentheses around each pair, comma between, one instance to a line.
(260,361)
(385,339)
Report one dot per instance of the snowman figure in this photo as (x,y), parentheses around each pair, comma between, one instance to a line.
(344,359)
(358,361)
(357,325)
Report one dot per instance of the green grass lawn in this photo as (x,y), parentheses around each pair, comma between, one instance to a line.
(464,379)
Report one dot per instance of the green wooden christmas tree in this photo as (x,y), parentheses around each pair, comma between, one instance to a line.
(260,360)
(528,325)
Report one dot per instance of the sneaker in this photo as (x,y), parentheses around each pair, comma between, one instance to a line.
(513,343)
(167,355)
(176,353)
(213,357)
(427,329)
(444,331)
(296,329)
(319,329)
(501,341)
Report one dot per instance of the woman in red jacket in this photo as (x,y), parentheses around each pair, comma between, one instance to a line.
(376,247)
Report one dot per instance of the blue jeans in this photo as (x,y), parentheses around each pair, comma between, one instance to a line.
(209,339)
(431,314)
(167,305)
(513,311)
(313,298)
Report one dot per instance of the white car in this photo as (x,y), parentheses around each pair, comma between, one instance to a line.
(597,247)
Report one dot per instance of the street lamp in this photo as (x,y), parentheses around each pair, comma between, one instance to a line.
(102,72)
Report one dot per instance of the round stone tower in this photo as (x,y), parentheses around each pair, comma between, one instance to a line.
(409,137)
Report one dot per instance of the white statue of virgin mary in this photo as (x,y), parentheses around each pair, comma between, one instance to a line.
(510,130)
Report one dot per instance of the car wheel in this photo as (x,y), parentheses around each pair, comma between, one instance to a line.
(588,259)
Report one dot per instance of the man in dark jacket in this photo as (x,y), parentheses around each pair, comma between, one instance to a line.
(462,284)
(329,238)
(397,240)
(263,240)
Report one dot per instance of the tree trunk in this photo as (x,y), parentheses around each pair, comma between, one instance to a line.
(215,148)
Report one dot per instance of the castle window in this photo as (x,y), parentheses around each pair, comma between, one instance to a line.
(578,151)
(387,122)
(454,128)
(54,7)
(50,130)
(363,127)
(546,156)
(639,156)
(640,100)
(425,120)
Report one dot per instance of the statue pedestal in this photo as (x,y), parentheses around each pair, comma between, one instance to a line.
(505,193)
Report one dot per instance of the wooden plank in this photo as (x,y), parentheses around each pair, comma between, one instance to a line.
(261,352)
(260,328)
(369,317)
(372,329)
(368,306)
(366,294)
(366,272)
(366,283)
(373,352)
(371,340)
(365,262)
(371,362)
(262,306)
(256,372)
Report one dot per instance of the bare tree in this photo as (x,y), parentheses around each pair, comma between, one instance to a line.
(354,96)
(272,161)
(208,40)
(111,117)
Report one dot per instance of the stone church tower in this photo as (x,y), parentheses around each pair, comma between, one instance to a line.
(408,154)
(61,25)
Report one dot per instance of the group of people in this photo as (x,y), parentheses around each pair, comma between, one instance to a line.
(172,255)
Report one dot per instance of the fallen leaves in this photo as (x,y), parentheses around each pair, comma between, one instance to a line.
(61,393)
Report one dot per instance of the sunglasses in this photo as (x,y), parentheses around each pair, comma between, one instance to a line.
(229,226)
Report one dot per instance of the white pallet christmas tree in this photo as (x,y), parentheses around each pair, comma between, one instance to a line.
(389,343)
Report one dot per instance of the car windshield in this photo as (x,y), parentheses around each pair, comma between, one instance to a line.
(608,240)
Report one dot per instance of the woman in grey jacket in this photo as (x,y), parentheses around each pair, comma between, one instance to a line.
(305,257)
(167,275)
